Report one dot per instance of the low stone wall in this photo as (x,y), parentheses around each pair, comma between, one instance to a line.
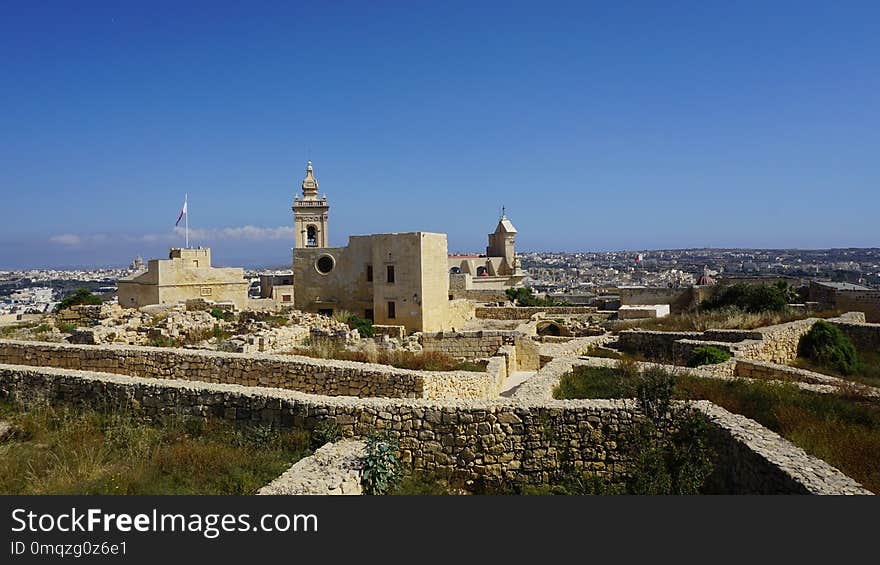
(467,345)
(317,376)
(683,349)
(653,345)
(731,336)
(750,369)
(770,344)
(478,295)
(755,460)
(334,468)
(866,337)
(573,347)
(266,341)
(396,332)
(779,343)
(528,354)
(470,439)
(751,459)
(526,312)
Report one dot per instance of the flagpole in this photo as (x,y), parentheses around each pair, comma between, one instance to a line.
(186,214)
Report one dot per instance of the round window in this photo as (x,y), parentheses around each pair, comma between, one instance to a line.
(325,264)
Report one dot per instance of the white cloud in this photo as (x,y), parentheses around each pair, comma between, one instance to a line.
(249,233)
(66,239)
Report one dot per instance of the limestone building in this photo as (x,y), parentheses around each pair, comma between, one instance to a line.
(487,276)
(392,278)
(186,274)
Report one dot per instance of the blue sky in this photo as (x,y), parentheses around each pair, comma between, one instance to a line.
(599,125)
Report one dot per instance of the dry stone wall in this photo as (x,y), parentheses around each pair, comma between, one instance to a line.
(866,337)
(526,312)
(467,345)
(770,344)
(318,376)
(750,369)
(653,345)
(470,439)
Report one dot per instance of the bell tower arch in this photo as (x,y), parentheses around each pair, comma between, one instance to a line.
(310,214)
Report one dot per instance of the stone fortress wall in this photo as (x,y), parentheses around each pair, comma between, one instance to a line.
(475,439)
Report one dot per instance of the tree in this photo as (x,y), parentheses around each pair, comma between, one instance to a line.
(81,296)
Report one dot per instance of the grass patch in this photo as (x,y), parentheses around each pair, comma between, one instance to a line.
(708,355)
(722,319)
(67,451)
(844,432)
(867,372)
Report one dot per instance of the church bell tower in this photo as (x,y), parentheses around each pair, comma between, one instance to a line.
(310,214)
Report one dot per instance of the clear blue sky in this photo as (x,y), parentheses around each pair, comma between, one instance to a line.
(600,125)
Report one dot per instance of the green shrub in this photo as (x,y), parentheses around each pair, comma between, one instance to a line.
(380,472)
(827,346)
(163,341)
(752,298)
(221,314)
(363,326)
(326,431)
(708,355)
(219,333)
(66,328)
(81,296)
(672,453)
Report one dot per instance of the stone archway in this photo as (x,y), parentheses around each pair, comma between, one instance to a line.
(550,328)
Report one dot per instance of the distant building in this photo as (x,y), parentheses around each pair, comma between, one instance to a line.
(278,288)
(488,276)
(705,279)
(846,297)
(186,274)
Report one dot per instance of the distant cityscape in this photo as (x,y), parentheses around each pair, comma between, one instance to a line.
(586,274)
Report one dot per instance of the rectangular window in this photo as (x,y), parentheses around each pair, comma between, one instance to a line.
(390,272)
(369,273)
(285,298)
(368,314)
(391,311)
(196,263)
(205,291)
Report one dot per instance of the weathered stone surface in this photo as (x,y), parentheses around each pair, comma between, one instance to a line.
(332,469)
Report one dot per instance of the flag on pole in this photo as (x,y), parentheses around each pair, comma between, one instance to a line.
(182,213)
